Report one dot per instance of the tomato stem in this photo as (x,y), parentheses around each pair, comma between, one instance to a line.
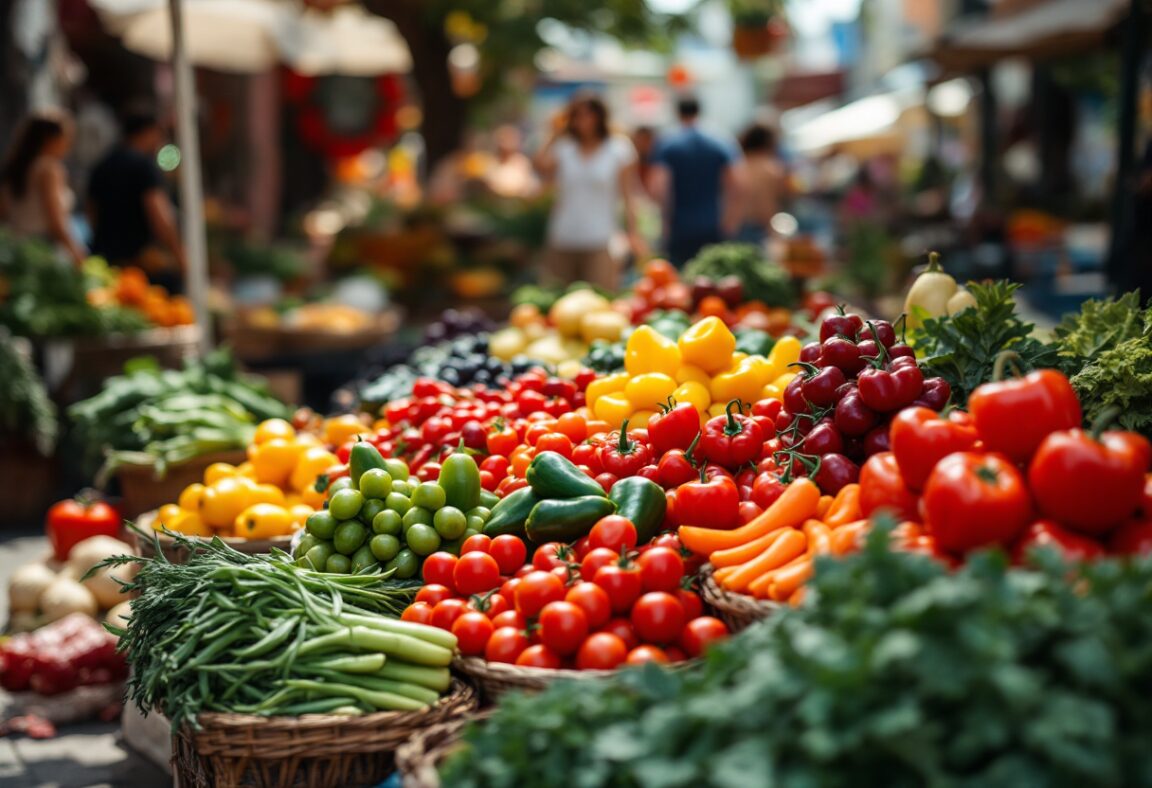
(1007,357)
(1106,417)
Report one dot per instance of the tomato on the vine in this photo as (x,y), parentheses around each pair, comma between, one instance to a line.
(549,555)
(472,630)
(490,604)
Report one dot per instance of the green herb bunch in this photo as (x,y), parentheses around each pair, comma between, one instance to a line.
(25,408)
(896,672)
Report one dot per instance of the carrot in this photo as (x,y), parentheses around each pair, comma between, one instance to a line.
(783,550)
(819,537)
(845,507)
(789,579)
(722,574)
(734,556)
(846,538)
(796,505)
(824,505)
(760,586)
(797,598)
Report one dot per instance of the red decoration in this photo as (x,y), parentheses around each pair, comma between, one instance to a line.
(312,125)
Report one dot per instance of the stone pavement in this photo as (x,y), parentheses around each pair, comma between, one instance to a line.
(83,755)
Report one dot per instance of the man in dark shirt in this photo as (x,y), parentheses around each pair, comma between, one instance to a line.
(699,173)
(130,212)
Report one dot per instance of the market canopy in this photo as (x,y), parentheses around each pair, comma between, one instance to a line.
(1045,29)
(866,127)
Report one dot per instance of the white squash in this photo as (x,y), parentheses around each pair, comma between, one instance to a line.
(92,551)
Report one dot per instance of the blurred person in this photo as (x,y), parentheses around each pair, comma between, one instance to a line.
(762,178)
(35,199)
(644,140)
(594,171)
(699,178)
(511,173)
(461,173)
(132,217)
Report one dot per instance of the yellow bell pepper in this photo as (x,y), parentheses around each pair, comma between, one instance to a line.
(775,389)
(650,390)
(743,383)
(613,408)
(640,419)
(717,409)
(689,372)
(609,384)
(786,351)
(190,524)
(650,351)
(708,344)
(694,392)
(761,367)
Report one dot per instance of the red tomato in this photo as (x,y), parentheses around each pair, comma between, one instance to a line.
(438,569)
(613,532)
(509,552)
(675,654)
(536,590)
(476,573)
(574,426)
(581,548)
(623,629)
(433,594)
(445,613)
(1132,538)
(472,631)
(476,543)
(563,627)
(642,654)
(606,480)
(557,442)
(69,522)
(491,604)
(509,618)
(1046,533)
(497,465)
(601,651)
(661,569)
(539,656)
(972,500)
(623,585)
(658,617)
(506,645)
(1146,498)
(693,607)
(699,633)
(549,556)
(596,558)
(749,511)
(593,600)
(882,487)
(418,613)
(508,587)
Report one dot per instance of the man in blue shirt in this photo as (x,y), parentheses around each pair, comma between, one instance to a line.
(699,168)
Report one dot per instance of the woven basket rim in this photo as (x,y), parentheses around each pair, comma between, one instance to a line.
(144,523)
(482,669)
(731,601)
(417,757)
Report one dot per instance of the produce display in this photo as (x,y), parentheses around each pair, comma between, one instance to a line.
(74,651)
(165,417)
(129,288)
(25,408)
(233,632)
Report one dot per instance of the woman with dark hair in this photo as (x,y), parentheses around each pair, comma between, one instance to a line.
(35,199)
(593,171)
(762,179)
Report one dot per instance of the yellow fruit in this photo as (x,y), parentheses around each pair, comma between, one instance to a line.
(708,344)
(341,429)
(191,498)
(640,419)
(166,516)
(649,351)
(267,493)
(300,512)
(246,470)
(224,500)
(694,392)
(649,391)
(718,409)
(190,524)
(313,497)
(217,471)
(609,384)
(273,428)
(308,439)
(613,408)
(263,521)
(689,372)
(312,462)
(274,461)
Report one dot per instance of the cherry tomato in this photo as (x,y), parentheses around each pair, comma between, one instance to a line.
(509,618)
(574,426)
(661,569)
(502,441)
(581,548)
(596,558)
(509,552)
(549,556)
(491,604)
(445,613)
(658,617)
(508,587)
(642,654)
(434,594)
(593,600)
(535,591)
(418,613)
(496,465)
(438,569)
(506,645)
(606,480)
(472,631)
(675,654)
(557,442)
(613,532)
(539,656)
(749,510)
(601,651)
(693,607)
(537,431)
(476,543)
(700,632)
(563,627)
(623,585)
(476,573)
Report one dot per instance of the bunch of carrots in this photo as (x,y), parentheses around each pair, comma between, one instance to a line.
(771,556)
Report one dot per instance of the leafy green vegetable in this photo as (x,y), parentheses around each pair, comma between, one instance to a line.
(896,672)
(25,409)
(1120,378)
(962,348)
(763,280)
(1100,326)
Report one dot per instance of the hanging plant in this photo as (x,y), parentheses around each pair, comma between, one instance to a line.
(759,27)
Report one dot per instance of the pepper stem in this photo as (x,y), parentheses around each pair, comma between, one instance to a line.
(1007,357)
(733,427)
(624,446)
(692,447)
(1101,422)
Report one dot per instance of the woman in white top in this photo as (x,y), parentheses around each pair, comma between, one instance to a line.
(35,200)
(593,171)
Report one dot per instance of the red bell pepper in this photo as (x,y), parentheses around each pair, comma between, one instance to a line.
(921,437)
(712,500)
(1014,416)
(674,428)
(882,488)
(731,440)
(625,456)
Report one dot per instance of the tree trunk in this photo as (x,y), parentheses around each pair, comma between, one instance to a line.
(445,113)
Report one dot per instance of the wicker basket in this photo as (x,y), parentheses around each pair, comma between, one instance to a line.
(147,547)
(496,678)
(312,751)
(419,759)
(738,611)
(142,491)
